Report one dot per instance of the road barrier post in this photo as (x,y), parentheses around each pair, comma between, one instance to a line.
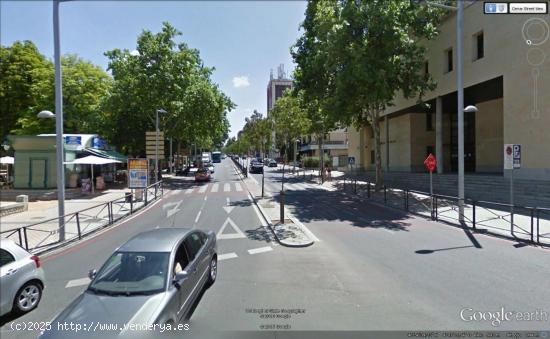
(282,206)
(26,238)
(78,226)
(474,214)
(368,189)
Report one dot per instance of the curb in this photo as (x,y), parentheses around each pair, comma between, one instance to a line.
(268,221)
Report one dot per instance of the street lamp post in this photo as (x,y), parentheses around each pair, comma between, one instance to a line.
(60,167)
(157,144)
(60,170)
(460,95)
(263,168)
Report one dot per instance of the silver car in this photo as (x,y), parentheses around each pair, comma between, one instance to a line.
(154,278)
(21,279)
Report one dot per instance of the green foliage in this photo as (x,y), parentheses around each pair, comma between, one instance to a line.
(169,75)
(27,87)
(355,56)
(313,162)
(289,118)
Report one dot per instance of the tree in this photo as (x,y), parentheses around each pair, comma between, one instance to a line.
(27,87)
(169,75)
(314,78)
(371,52)
(290,120)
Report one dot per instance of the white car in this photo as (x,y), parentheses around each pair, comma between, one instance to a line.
(21,279)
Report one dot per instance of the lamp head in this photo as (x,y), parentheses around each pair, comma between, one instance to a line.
(470,109)
(45,115)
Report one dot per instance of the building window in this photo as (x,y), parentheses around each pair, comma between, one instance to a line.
(372,157)
(448,60)
(429,122)
(429,150)
(479,50)
(426,69)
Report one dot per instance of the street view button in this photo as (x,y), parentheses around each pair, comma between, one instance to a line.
(528,8)
(495,8)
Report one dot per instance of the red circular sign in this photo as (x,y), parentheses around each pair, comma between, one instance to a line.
(509,150)
(430,163)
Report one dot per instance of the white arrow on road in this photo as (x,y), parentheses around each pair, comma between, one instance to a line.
(172,211)
(228,208)
(236,235)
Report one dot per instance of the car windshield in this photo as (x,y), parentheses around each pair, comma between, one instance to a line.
(201,171)
(132,273)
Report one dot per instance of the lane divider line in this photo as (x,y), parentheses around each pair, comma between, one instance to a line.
(260,250)
(198,216)
(226,256)
(78,282)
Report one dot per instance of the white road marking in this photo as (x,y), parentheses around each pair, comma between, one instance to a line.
(253,179)
(260,217)
(205,197)
(227,256)
(203,188)
(198,216)
(305,229)
(226,187)
(189,191)
(174,210)
(260,250)
(78,282)
(228,208)
(302,186)
(238,187)
(292,187)
(214,187)
(238,233)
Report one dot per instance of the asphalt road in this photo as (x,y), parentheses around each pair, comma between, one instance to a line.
(373,269)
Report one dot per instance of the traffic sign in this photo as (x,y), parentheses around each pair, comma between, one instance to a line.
(512,156)
(351,160)
(516,155)
(430,163)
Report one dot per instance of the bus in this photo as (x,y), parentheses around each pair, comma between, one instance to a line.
(216,156)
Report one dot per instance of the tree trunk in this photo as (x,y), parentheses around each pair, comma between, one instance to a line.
(377,152)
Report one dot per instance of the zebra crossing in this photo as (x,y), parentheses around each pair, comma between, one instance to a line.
(275,187)
(215,188)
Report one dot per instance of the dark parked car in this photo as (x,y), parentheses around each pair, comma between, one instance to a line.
(154,278)
(256,167)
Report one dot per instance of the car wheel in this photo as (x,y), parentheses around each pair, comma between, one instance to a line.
(212,271)
(28,297)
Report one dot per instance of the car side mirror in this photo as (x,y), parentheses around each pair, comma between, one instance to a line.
(179,278)
(91,274)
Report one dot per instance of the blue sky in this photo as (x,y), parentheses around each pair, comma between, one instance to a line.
(243,40)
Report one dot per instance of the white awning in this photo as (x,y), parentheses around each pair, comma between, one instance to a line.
(92,160)
(7,160)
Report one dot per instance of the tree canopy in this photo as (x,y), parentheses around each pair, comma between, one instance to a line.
(355,56)
(164,74)
(27,87)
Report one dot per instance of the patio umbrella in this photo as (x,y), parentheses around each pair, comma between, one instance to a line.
(92,160)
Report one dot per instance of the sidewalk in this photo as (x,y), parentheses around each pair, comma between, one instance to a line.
(83,216)
(292,233)
(492,218)
(484,217)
